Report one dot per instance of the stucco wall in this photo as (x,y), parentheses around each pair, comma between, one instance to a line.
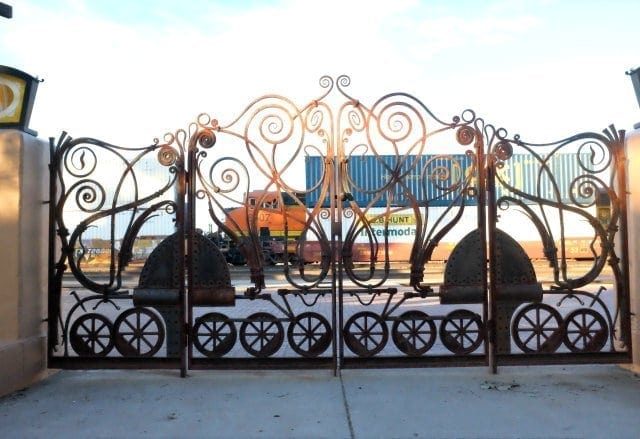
(23,258)
(633,172)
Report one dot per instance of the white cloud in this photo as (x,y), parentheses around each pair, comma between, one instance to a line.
(129,84)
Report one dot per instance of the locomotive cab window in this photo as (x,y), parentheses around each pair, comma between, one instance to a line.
(290,201)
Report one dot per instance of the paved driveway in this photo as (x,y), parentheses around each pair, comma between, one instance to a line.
(549,401)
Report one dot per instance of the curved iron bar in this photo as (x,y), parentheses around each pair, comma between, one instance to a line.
(427,241)
(595,298)
(303,293)
(80,304)
(275,118)
(83,250)
(125,255)
(548,243)
(372,293)
(398,128)
(362,224)
(585,186)
(606,237)
(263,110)
(272,127)
(88,190)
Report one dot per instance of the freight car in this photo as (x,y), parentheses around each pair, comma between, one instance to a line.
(280,226)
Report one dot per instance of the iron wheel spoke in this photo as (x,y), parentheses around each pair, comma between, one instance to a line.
(207,340)
(82,325)
(526,342)
(422,323)
(254,341)
(424,342)
(526,317)
(103,346)
(546,320)
(471,341)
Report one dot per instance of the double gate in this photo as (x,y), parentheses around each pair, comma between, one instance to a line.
(338,235)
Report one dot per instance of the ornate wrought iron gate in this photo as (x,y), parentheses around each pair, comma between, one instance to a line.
(319,202)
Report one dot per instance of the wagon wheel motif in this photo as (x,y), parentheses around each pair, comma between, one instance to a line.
(414,333)
(309,334)
(365,333)
(262,335)
(91,335)
(585,330)
(138,333)
(461,331)
(214,334)
(537,328)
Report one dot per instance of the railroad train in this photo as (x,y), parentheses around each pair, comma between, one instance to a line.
(369,172)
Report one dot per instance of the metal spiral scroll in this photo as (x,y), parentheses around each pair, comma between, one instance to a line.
(400,125)
(274,133)
(593,155)
(446,183)
(82,188)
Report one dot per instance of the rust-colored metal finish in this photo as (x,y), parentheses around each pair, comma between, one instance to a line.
(184,310)
(463,273)
(537,328)
(214,334)
(138,333)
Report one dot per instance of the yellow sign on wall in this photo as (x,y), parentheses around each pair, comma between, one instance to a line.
(396,219)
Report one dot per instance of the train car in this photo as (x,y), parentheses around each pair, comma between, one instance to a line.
(264,206)
(367,174)
(279,220)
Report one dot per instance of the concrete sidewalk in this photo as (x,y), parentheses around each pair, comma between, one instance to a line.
(544,402)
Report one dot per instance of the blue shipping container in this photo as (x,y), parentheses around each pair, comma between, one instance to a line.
(430,178)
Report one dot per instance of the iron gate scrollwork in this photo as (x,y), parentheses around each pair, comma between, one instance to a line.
(340,235)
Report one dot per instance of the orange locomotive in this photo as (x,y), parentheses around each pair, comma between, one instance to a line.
(275,225)
(271,212)
(264,206)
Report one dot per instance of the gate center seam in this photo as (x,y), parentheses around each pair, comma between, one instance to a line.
(346,407)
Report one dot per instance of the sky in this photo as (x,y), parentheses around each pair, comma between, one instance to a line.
(126,72)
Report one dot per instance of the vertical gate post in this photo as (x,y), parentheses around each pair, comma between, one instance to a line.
(53,305)
(186,318)
(632,146)
(491,219)
(182,221)
(336,169)
(336,262)
(23,252)
(484,180)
